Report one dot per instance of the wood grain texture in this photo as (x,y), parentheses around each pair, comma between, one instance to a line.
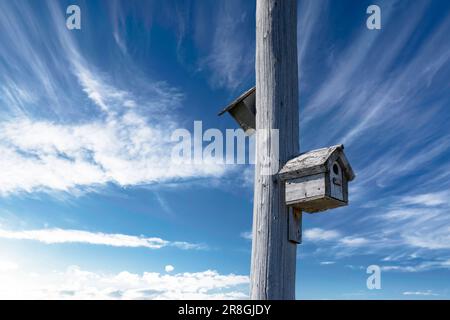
(317,204)
(336,181)
(301,189)
(273,255)
(315,161)
(295,225)
(314,193)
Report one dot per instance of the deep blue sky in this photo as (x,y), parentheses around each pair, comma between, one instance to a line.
(91,206)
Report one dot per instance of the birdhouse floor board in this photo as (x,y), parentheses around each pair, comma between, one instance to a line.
(318,204)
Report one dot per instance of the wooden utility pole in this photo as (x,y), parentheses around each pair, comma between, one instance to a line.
(273,255)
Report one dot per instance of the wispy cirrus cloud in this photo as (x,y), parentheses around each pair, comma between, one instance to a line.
(43,155)
(414,266)
(420,220)
(91,130)
(335,238)
(365,90)
(309,25)
(231,57)
(384,95)
(420,293)
(407,233)
(327,263)
(427,199)
(357,88)
(354,241)
(60,236)
(247,235)
(318,234)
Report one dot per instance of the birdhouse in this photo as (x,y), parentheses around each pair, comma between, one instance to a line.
(243,110)
(317,180)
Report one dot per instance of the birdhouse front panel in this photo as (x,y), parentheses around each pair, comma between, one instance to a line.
(336,181)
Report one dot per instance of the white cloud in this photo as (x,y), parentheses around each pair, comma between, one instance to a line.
(309,22)
(420,293)
(402,228)
(169,268)
(75,283)
(247,235)
(54,236)
(428,199)
(248,176)
(105,132)
(354,267)
(404,268)
(124,149)
(418,267)
(420,220)
(388,101)
(422,238)
(317,234)
(6,266)
(326,263)
(353,241)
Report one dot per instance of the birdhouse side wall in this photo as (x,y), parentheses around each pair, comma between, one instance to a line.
(345,188)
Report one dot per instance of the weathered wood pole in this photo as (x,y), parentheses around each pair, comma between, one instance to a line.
(273,255)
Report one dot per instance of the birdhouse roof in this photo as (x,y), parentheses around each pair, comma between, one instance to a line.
(238,100)
(316,161)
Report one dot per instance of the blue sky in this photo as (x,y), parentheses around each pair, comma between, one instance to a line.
(92,207)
